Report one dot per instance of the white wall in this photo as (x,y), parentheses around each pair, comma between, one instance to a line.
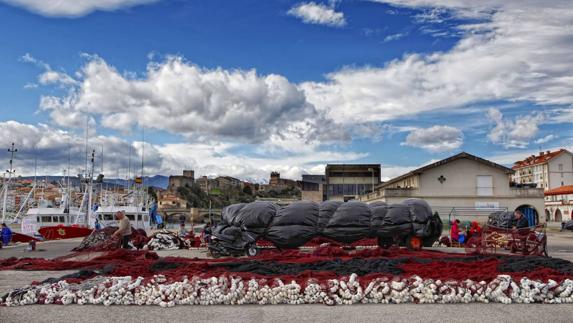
(555,178)
(461,179)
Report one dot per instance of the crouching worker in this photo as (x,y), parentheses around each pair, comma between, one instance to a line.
(6,234)
(124,231)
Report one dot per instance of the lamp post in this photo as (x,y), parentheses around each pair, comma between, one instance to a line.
(372,171)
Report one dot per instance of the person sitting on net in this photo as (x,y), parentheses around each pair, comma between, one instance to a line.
(475,229)
(521,224)
(520,220)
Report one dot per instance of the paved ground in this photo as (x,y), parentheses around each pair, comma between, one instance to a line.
(560,245)
(409,313)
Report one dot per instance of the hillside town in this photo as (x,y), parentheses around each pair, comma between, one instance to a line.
(460,186)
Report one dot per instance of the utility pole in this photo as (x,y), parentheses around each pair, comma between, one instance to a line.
(10,171)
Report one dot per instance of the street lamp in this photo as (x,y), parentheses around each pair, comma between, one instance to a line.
(370,169)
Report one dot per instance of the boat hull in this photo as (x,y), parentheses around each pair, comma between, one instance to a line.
(64,232)
(19,237)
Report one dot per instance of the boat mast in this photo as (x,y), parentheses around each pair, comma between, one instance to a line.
(10,171)
(90,183)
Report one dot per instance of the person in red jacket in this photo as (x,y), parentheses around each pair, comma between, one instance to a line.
(475,229)
(455,231)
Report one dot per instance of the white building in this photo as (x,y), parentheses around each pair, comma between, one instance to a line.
(548,170)
(559,204)
(465,185)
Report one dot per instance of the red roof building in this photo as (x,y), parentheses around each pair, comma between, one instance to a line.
(559,203)
(549,169)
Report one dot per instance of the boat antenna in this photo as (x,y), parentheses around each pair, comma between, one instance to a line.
(129,167)
(10,171)
(87,126)
(68,188)
(142,153)
(35,171)
(102,159)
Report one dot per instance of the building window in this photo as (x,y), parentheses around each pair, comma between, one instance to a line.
(560,166)
(484,185)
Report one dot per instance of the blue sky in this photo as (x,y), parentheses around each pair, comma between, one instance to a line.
(245,87)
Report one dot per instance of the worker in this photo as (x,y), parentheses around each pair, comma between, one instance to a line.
(97,225)
(455,231)
(6,234)
(124,230)
(475,229)
(182,230)
(520,220)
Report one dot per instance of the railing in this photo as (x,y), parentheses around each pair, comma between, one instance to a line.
(527,192)
(466,213)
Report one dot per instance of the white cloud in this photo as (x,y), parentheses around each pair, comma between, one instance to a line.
(182,98)
(513,133)
(517,51)
(73,8)
(393,37)
(546,139)
(51,147)
(53,77)
(435,138)
(319,14)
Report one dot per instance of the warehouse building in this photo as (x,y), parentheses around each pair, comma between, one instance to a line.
(463,186)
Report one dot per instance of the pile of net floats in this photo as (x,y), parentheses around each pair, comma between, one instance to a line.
(329,276)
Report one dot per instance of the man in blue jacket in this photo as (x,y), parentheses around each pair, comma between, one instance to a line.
(6,234)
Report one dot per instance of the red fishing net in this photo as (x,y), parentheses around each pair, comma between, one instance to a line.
(324,263)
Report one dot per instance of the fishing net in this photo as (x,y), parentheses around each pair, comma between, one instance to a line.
(102,240)
(324,263)
(166,240)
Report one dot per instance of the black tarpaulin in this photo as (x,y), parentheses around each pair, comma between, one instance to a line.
(256,215)
(325,211)
(300,213)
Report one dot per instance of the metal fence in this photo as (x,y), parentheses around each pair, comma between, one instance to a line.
(465,214)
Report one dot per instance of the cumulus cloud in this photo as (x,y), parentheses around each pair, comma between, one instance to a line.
(73,8)
(515,133)
(51,147)
(182,98)
(319,14)
(435,139)
(509,50)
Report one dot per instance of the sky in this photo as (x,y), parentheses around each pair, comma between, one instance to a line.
(245,87)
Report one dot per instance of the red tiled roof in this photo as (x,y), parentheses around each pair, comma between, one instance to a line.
(537,159)
(567,189)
